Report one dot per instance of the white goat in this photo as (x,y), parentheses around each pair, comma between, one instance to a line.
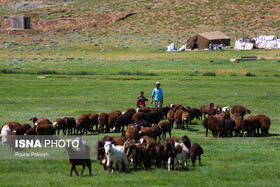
(4,133)
(182,158)
(82,143)
(224,109)
(115,154)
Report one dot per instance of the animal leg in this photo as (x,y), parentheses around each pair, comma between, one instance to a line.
(163,164)
(169,163)
(185,162)
(76,171)
(72,168)
(120,166)
(199,159)
(89,167)
(125,160)
(114,166)
(83,169)
(182,163)
(176,163)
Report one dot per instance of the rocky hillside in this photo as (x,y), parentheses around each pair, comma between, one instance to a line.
(143,17)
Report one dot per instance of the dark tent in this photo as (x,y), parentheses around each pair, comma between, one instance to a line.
(202,40)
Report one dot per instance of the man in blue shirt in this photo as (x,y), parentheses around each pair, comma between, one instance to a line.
(157,96)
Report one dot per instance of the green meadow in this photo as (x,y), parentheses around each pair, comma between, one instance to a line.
(59,82)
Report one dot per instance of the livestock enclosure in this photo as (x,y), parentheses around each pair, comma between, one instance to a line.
(68,81)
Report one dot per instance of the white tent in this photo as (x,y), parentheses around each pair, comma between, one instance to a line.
(171,47)
(267,42)
(243,44)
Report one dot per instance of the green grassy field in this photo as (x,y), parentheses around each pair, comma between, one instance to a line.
(53,86)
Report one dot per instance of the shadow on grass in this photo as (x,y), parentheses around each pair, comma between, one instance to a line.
(183,169)
(192,130)
(272,135)
(194,123)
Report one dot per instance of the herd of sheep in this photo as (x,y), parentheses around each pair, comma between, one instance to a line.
(142,132)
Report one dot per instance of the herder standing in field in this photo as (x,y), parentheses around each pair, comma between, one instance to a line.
(157,95)
(141,100)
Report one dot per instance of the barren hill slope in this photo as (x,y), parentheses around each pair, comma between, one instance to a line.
(147,17)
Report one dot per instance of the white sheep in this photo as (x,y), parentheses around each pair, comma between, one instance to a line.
(115,154)
(182,158)
(4,133)
(224,109)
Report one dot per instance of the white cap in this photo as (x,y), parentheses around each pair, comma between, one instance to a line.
(157,83)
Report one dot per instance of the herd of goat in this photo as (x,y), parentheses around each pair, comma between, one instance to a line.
(142,132)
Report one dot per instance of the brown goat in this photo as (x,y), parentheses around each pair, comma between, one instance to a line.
(122,121)
(146,131)
(250,125)
(169,154)
(139,116)
(83,123)
(159,155)
(103,122)
(12,125)
(30,131)
(80,157)
(139,155)
(149,143)
(45,129)
(238,122)
(129,110)
(185,119)
(19,130)
(218,108)
(132,132)
(172,140)
(119,140)
(214,125)
(40,121)
(178,118)
(204,109)
(93,118)
(112,118)
(195,113)
(265,124)
(157,132)
(165,127)
(212,111)
(59,124)
(241,110)
(196,151)
(70,124)
(145,110)
(170,117)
